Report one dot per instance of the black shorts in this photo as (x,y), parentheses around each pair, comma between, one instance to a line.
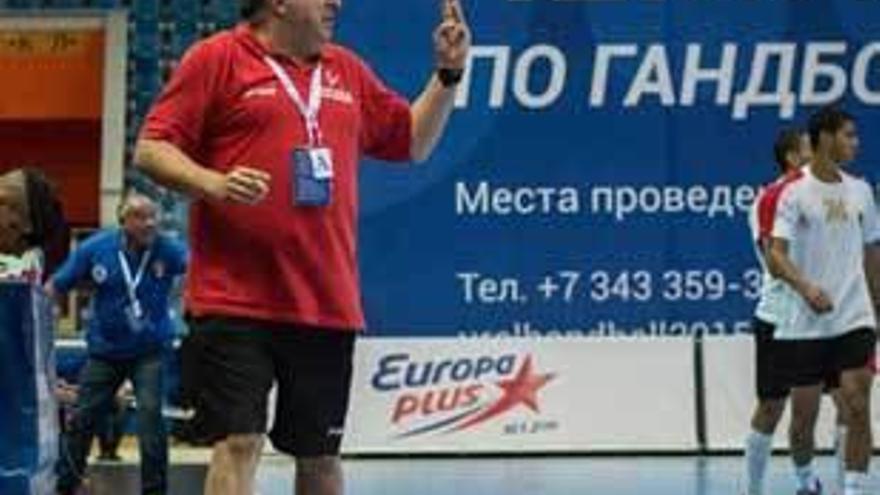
(240,359)
(809,362)
(770,381)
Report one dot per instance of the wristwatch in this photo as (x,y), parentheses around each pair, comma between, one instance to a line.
(449,77)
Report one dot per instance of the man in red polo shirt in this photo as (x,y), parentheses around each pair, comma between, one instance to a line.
(264,125)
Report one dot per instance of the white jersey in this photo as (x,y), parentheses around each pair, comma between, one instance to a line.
(772,288)
(827,226)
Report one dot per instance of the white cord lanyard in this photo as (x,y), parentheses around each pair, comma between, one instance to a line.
(132,283)
(309,112)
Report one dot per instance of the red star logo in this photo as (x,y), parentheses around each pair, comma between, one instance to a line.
(521,389)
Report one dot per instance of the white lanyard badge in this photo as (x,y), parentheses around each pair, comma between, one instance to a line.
(310,112)
(131,284)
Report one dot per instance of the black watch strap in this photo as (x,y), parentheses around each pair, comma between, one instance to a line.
(449,77)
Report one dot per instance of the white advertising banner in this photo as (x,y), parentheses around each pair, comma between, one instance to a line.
(521,395)
(730,397)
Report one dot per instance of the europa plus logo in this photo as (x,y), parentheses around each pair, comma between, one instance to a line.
(452,394)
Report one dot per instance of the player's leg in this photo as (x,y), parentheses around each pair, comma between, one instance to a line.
(806,364)
(236,373)
(853,355)
(771,394)
(314,377)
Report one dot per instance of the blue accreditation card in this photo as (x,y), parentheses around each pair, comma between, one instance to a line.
(136,319)
(313,176)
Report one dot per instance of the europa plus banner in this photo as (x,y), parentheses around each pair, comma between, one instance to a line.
(478,396)
(596,175)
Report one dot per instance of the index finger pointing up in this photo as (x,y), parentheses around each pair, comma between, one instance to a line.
(452,11)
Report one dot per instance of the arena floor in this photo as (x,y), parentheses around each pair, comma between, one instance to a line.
(489,476)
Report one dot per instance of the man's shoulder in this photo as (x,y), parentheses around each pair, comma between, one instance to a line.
(169,243)
(774,190)
(216,45)
(855,180)
(341,52)
(218,40)
(343,55)
(102,239)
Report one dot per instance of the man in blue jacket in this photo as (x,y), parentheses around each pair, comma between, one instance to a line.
(133,270)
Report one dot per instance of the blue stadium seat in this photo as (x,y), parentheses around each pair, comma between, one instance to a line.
(222,12)
(145,10)
(185,11)
(147,42)
(143,101)
(147,76)
(182,38)
(228,14)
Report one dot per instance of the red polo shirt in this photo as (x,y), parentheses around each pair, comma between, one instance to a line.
(275,261)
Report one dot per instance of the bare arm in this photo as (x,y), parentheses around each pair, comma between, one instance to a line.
(780,266)
(871,237)
(171,167)
(872,272)
(431,110)
(430,113)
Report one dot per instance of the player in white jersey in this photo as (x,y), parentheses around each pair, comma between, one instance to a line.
(824,229)
(791,151)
